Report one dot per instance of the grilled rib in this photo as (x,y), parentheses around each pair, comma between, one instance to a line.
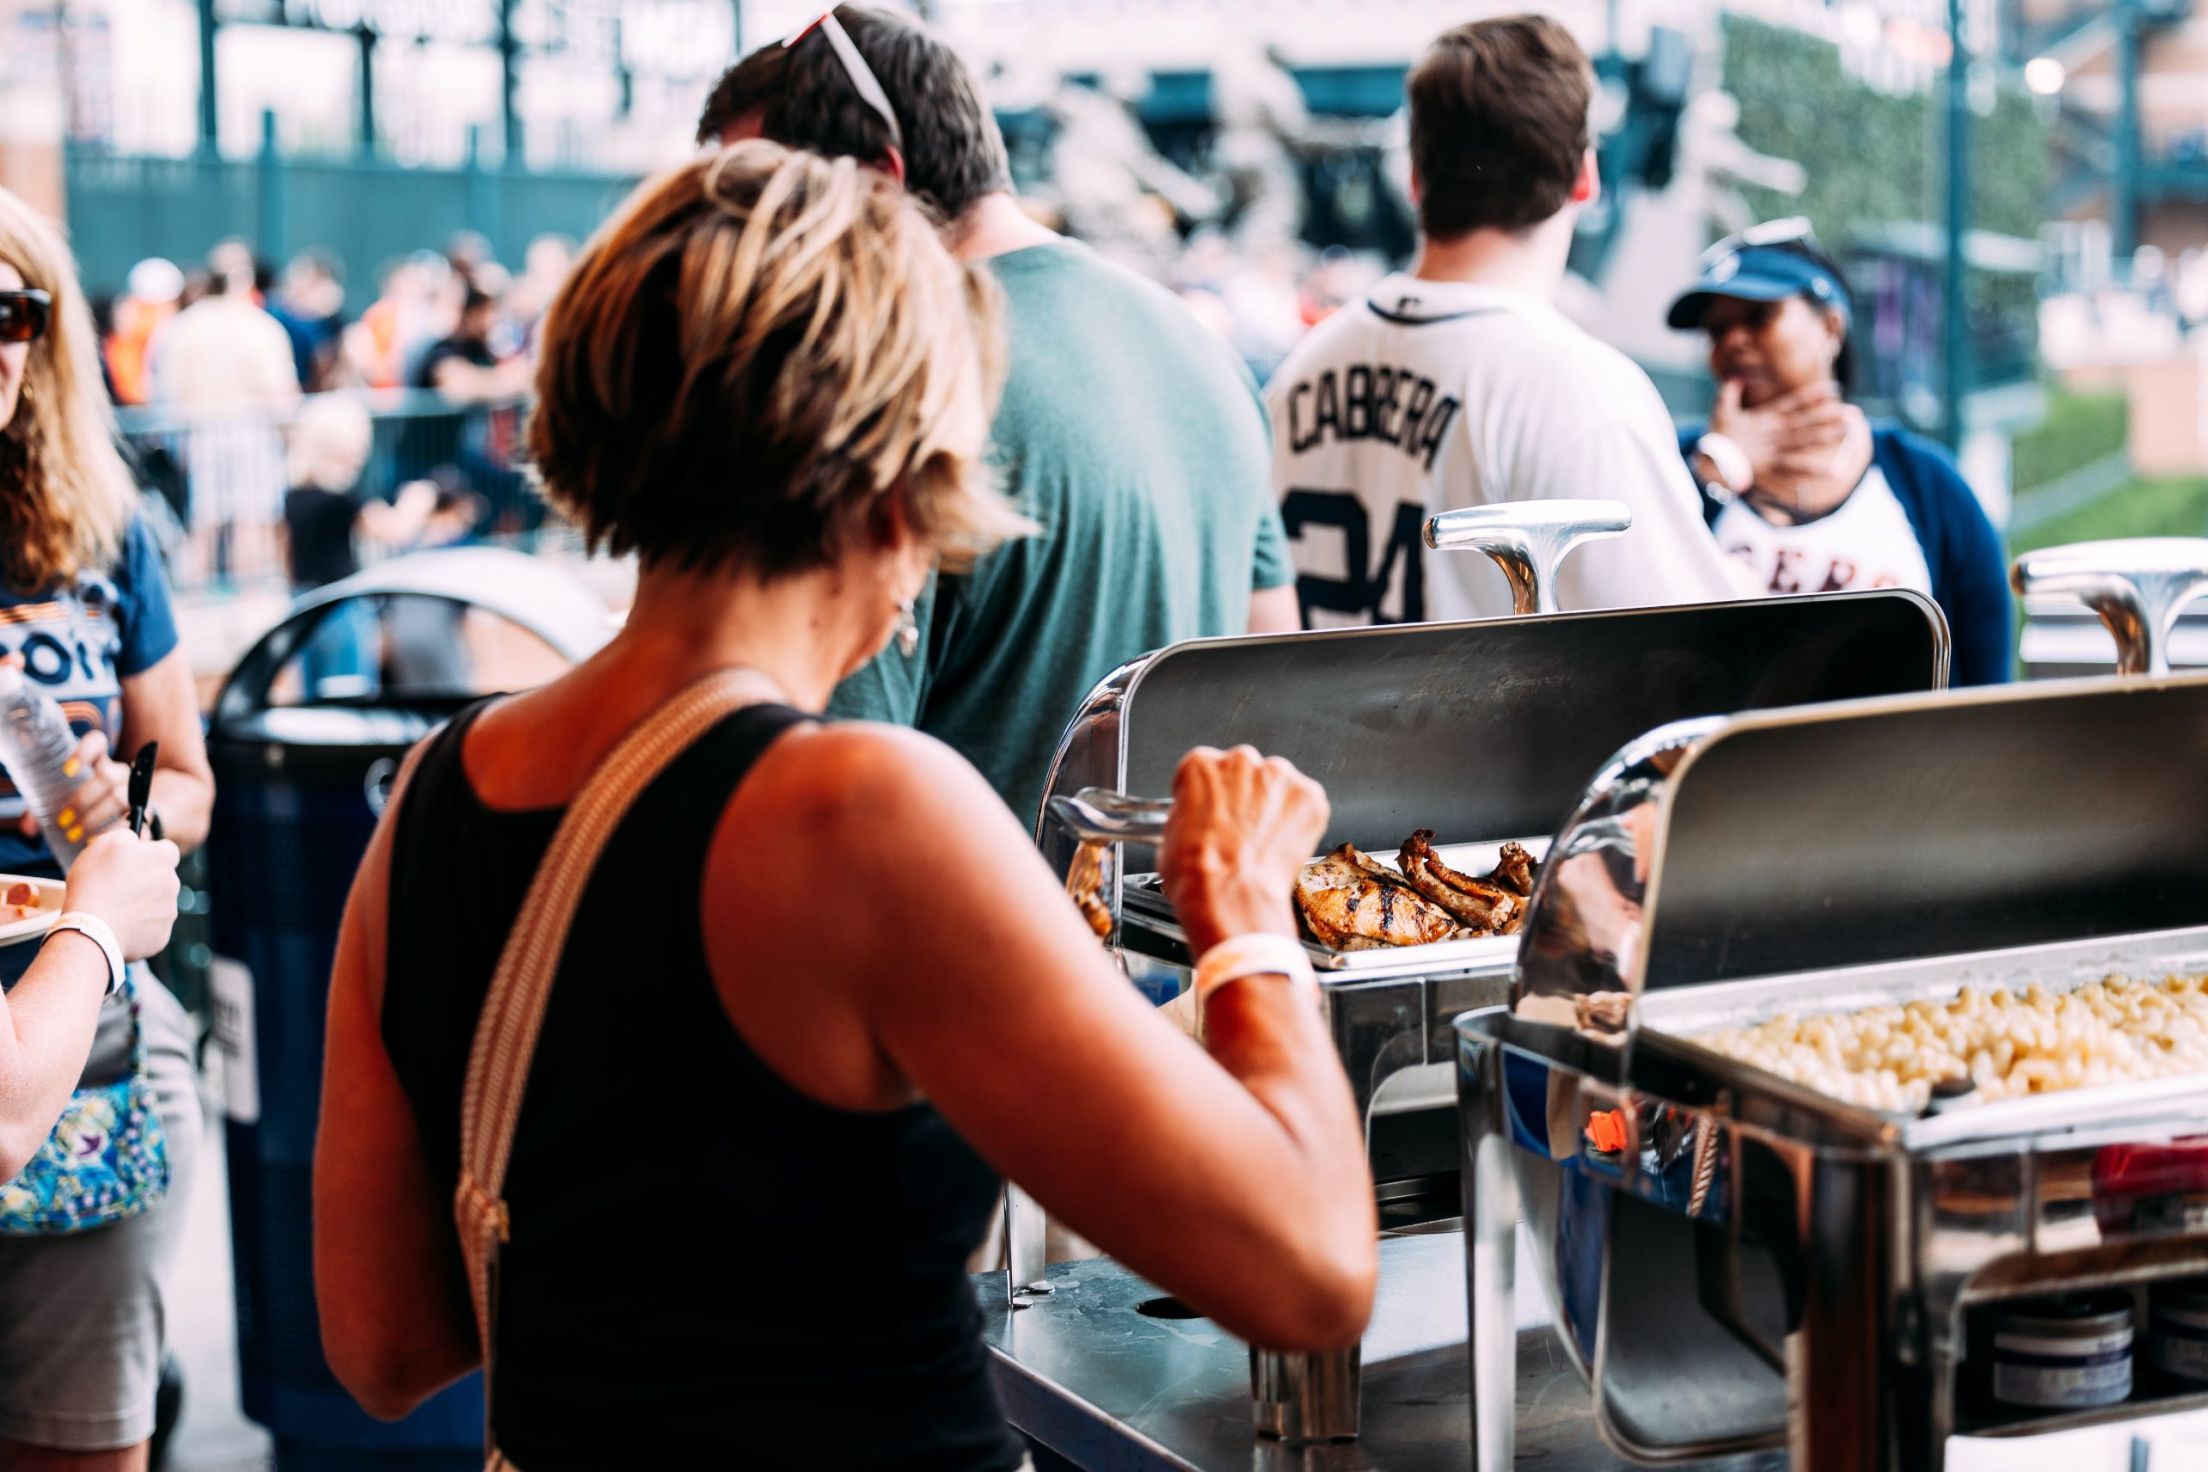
(1514,870)
(1486,907)
(1350,902)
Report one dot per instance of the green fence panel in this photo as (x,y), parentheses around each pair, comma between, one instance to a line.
(123,209)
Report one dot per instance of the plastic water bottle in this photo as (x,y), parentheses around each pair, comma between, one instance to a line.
(35,744)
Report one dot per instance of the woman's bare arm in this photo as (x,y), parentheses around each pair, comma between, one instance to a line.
(46,1025)
(161,704)
(48,1018)
(397,1325)
(1238,1181)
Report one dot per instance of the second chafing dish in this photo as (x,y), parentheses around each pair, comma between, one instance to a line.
(1738,1261)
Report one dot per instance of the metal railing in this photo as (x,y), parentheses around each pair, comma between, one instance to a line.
(215,481)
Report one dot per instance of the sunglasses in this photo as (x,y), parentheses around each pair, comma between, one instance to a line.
(862,76)
(24,315)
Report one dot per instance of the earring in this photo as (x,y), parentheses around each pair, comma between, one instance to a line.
(908,629)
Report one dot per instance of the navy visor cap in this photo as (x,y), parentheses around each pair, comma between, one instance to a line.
(1757,273)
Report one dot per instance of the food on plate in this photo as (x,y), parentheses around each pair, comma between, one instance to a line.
(1479,904)
(2006,1044)
(19,901)
(1352,902)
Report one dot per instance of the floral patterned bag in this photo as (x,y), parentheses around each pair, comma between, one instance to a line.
(106,1161)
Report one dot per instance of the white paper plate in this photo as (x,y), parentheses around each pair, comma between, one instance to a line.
(49,894)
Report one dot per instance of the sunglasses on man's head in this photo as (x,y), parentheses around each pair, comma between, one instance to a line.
(863,80)
(1793,231)
(24,315)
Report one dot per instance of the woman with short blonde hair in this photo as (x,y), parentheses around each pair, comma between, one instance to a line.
(85,608)
(819,987)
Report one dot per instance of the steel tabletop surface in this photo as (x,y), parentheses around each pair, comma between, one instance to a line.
(1107,1387)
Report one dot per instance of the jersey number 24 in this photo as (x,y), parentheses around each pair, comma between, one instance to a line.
(1354,591)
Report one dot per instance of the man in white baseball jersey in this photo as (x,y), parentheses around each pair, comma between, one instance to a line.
(1458,384)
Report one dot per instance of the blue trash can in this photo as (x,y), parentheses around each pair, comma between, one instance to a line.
(298,789)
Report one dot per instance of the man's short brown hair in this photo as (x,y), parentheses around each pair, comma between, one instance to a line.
(953,152)
(756,356)
(1498,125)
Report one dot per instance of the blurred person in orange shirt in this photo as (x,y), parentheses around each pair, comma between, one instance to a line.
(147,303)
(408,314)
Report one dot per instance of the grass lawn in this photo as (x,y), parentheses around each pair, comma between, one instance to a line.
(2142,508)
(2078,430)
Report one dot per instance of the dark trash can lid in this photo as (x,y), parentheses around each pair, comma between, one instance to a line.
(333,725)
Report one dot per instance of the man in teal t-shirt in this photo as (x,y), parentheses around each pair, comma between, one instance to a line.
(1127,431)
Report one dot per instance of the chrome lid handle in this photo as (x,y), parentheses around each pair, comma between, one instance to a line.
(2138,587)
(1528,540)
(1100,815)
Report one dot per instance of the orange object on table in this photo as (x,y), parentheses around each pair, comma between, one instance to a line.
(1606,1131)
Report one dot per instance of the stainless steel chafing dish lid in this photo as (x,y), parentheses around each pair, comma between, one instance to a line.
(1883,830)
(1483,729)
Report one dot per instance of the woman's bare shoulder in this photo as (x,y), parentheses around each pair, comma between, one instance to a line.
(863,799)
(859,766)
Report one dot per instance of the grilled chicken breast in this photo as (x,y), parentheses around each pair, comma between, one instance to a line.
(1352,902)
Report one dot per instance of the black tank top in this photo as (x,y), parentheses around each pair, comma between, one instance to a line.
(707,1267)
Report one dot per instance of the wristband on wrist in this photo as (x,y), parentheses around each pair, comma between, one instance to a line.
(1255,953)
(1735,472)
(101,934)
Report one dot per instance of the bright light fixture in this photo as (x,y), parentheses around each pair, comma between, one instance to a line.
(2045,75)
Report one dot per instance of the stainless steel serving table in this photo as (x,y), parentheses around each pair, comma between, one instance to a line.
(1105,1386)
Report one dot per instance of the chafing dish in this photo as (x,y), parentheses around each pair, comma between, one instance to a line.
(1737,1262)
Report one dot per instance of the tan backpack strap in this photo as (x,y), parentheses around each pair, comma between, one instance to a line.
(506,1032)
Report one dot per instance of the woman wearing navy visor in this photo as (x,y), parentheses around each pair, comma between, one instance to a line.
(1798,484)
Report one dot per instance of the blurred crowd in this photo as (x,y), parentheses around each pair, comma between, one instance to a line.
(1263,299)
(216,365)
(430,308)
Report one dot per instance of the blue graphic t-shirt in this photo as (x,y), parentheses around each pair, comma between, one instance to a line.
(79,643)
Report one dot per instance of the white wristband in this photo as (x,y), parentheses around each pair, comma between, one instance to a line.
(1734,469)
(101,934)
(1257,953)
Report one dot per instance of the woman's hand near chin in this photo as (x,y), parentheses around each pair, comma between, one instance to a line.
(1821,460)
(1766,432)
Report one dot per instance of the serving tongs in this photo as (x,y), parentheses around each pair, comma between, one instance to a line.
(2138,586)
(1100,817)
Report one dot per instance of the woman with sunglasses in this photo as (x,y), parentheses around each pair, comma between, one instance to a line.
(84,607)
(819,988)
(1797,484)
